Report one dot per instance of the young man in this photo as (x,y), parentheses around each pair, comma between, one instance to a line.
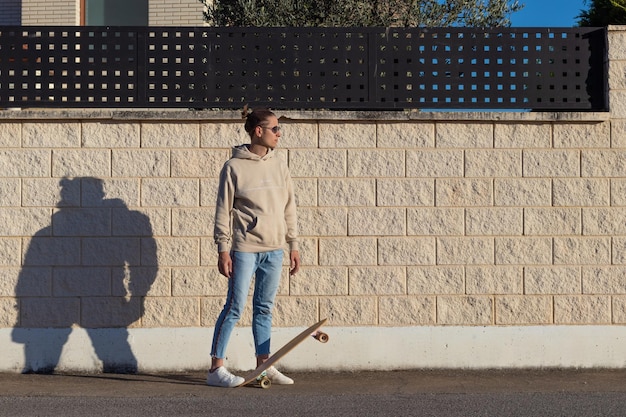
(255,216)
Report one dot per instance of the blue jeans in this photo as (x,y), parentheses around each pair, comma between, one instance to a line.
(267,267)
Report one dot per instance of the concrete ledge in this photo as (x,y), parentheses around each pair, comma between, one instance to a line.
(297,115)
(349,348)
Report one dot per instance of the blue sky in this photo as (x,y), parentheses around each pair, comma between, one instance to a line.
(548,13)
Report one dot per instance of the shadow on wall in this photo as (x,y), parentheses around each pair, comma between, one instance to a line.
(92,268)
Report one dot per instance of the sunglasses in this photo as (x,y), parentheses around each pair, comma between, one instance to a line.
(274,129)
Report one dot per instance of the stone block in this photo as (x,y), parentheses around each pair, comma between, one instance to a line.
(376,163)
(11,192)
(618,192)
(171,312)
(183,251)
(223,135)
(494,280)
(139,281)
(522,192)
(581,192)
(405,192)
(523,251)
(141,163)
(24,221)
(207,281)
(582,250)
(523,135)
(377,280)
(465,310)
(406,135)
(51,251)
(618,250)
(465,251)
(493,163)
(436,280)
(314,281)
(318,163)
(432,163)
(604,163)
(305,190)
(78,281)
(407,311)
(618,127)
(406,251)
(350,311)
(429,221)
(604,280)
(376,221)
(10,251)
(608,221)
(321,221)
(51,135)
(197,163)
(78,222)
(464,135)
(110,251)
(98,312)
(551,221)
(582,309)
(26,281)
(55,312)
(25,163)
(295,311)
(170,192)
(583,135)
(346,192)
(552,280)
(518,310)
(491,221)
(10,135)
(170,135)
(81,163)
(463,192)
(112,192)
(619,309)
(192,222)
(348,251)
(9,316)
(551,163)
(298,135)
(110,135)
(347,135)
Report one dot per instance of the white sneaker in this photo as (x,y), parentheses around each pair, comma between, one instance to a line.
(277,378)
(222,378)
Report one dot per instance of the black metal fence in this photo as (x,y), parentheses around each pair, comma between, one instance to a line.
(304,68)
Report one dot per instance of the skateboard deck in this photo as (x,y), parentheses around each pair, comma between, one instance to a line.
(258,374)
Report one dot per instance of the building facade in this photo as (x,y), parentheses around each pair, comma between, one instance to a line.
(101,12)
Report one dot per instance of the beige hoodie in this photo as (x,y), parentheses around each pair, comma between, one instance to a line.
(256,208)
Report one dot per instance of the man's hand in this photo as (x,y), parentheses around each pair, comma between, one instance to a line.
(294,265)
(225,264)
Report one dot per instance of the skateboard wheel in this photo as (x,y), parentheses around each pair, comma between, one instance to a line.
(265,383)
(321,336)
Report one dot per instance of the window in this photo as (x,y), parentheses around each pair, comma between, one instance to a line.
(114,12)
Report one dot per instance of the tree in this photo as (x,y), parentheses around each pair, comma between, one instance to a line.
(603,13)
(360,13)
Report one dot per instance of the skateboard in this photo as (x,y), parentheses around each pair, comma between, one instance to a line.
(258,375)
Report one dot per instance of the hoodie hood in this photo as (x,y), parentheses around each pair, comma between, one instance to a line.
(243,152)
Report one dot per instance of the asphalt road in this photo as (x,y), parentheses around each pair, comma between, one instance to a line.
(399,393)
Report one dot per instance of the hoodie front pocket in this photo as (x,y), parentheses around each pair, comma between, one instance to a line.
(267,230)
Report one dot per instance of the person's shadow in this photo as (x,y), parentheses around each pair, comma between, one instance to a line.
(90,268)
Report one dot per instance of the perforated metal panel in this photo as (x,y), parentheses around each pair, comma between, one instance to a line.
(68,67)
(303,68)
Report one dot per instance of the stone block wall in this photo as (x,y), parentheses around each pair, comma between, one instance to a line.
(407,219)
(67,13)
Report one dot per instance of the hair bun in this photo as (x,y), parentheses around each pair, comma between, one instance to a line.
(245,112)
